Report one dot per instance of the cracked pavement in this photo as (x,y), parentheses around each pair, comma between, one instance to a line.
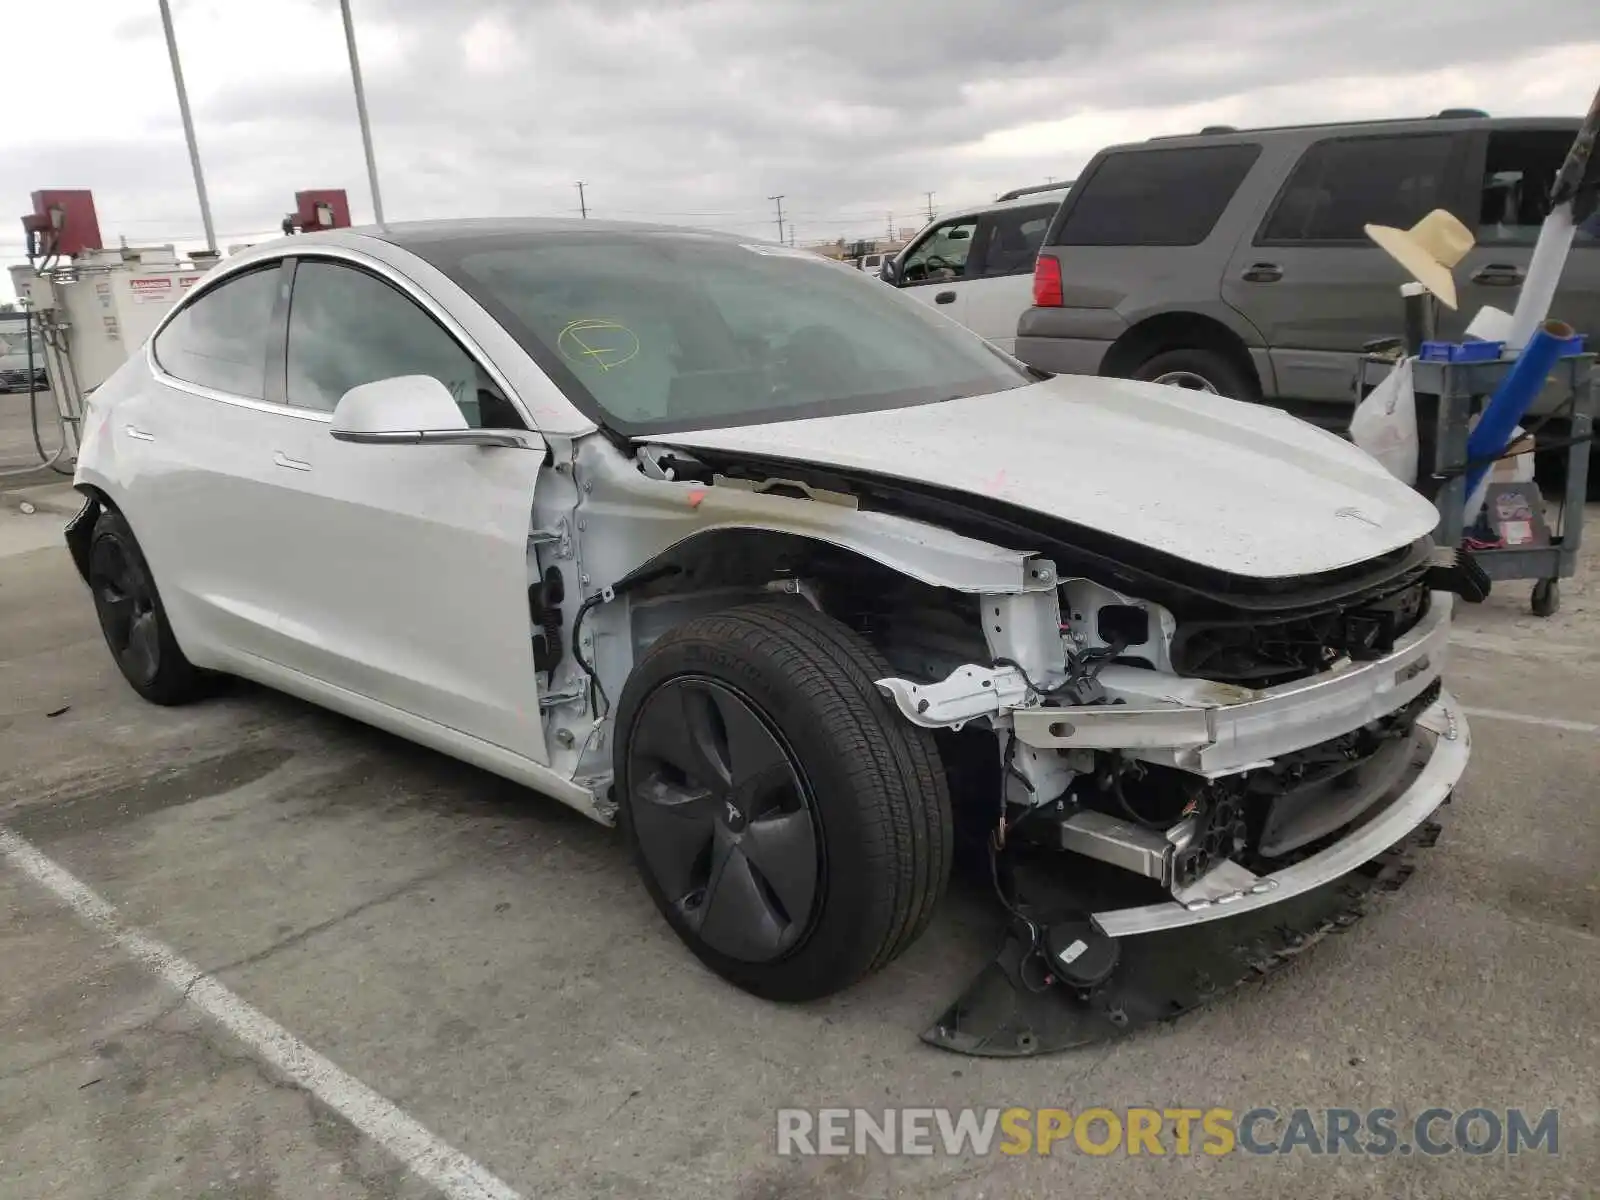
(486,960)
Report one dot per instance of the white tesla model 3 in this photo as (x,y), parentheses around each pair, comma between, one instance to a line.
(793,577)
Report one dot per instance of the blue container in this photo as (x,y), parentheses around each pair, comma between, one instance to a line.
(1462,352)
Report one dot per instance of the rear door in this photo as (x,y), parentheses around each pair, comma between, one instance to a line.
(1312,281)
(999,284)
(414,584)
(934,267)
(1516,166)
(210,446)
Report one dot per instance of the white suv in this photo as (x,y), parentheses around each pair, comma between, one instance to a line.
(977,265)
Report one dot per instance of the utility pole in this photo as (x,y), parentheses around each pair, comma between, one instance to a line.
(888,229)
(930,206)
(361,110)
(778,199)
(791,233)
(583,205)
(188,129)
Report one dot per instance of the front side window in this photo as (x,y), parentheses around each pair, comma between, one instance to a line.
(1341,185)
(1166,197)
(654,331)
(1011,239)
(942,255)
(1518,172)
(347,328)
(219,339)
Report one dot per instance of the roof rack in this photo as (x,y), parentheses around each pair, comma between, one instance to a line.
(1016,193)
(1449,114)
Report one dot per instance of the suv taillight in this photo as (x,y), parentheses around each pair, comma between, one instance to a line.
(1047,282)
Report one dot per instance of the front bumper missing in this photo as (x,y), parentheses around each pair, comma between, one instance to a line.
(1161,976)
(1224,929)
(1229,889)
(1158,720)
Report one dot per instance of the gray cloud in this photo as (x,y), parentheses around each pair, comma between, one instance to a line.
(697,111)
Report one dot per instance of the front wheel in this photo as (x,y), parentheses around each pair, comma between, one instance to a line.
(792,828)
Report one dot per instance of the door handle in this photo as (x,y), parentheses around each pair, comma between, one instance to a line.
(1262,272)
(1498,275)
(138,434)
(945,298)
(280,459)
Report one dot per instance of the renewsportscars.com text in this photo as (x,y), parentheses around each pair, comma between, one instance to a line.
(1378,1132)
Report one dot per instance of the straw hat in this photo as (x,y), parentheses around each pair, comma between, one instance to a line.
(1429,250)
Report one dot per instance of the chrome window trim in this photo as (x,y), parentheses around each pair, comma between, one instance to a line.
(407,287)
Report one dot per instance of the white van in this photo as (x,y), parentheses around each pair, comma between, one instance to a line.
(977,265)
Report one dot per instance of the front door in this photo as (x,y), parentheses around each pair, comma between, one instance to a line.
(1517,169)
(933,270)
(413,581)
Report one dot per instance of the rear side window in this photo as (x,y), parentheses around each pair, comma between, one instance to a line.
(1156,197)
(1011,239)
(219,340)
(1342,184)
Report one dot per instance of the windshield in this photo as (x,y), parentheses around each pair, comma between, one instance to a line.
(649,332)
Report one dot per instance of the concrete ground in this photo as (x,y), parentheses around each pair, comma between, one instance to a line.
(20,463)
(485,962)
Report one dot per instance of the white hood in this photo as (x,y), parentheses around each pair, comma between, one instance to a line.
(1237,487)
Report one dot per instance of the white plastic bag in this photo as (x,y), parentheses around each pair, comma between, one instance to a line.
(1385,424)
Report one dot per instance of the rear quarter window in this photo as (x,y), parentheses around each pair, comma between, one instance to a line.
(1158,197)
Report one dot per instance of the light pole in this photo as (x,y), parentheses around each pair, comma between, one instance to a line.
(188,128)
(361,108)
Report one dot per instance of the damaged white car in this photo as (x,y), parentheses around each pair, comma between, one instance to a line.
(808,588)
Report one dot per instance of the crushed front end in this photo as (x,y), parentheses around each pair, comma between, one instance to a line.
(1191,790)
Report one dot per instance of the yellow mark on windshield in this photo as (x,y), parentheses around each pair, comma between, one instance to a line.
(597,342)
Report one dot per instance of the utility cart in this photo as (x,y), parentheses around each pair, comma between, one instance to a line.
(1448,394)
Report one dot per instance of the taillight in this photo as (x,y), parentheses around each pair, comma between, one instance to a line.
(1047,282)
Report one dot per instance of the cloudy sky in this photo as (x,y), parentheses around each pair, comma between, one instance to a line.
(696,111)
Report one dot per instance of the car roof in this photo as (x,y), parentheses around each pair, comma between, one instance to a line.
(1030,200)
(1221,135)
(409,233)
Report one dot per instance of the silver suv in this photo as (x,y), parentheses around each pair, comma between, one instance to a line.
(1234,260)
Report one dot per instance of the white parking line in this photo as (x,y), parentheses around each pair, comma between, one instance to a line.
(423,1154)
(1500,714)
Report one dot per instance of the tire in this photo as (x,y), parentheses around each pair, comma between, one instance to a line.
(1218,372)
(875,794)
(126,602)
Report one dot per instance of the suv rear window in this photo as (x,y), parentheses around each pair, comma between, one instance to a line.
(1342,184)
(1155,197)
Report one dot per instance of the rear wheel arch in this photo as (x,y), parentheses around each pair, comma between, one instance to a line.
(80,530)
(1170,331)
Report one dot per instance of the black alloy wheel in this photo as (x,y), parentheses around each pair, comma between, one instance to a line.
(125,599)
(133,619)
(725,819)
(790,825)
